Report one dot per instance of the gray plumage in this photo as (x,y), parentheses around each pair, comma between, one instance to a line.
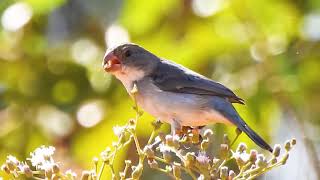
(174,93)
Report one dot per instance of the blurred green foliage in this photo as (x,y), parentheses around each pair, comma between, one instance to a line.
(54,91)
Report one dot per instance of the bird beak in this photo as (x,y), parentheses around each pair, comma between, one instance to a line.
(111,62)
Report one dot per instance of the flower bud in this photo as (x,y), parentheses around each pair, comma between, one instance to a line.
(215,161)
(168,168)
(5,168)
(27,171)
(122,175)
(207,133)
(224,150)
(205,144)
(95,160)
(132,122)
(169,140)
(152,163)
(156,124)
(55,168)
(224,172)
(11,166)
(195,138)
(128,162)
(273,160)
(85,175)
(293,141)
(253,155)
(242,147)
(232,174)
(167,156)
(105,155)
(287,146)
(276,150)
(261,161)
(190,158)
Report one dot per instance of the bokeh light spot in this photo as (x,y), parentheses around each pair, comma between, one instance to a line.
(311,27)
(54,121)
(258,51)
(64,91)
(91,113)
(205,8)
(100,82)
(84,51)
(115,35)
(16,16)
(277,44)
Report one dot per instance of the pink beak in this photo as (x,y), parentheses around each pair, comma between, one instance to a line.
(111,62)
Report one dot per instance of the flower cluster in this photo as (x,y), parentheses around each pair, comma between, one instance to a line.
(40,165)
(178,156)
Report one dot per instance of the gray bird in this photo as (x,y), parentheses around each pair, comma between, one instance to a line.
(173,93)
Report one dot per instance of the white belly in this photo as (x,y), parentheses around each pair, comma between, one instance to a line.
(187,109)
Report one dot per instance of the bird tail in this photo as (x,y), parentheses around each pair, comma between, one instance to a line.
(252,135)
(227,110)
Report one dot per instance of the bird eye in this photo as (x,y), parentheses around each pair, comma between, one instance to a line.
(127,53)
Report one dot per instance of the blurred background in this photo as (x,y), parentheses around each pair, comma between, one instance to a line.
(53,90)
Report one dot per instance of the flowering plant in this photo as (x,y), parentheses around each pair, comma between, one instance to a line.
(173,155)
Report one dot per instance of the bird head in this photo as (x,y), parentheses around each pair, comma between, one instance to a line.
(129,58)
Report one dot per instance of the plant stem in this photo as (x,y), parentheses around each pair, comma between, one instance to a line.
(234,140)
(101,170)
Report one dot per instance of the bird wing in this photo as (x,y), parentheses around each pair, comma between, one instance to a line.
(169,76)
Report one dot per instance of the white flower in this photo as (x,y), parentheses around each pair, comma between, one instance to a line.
(42,158)
(12,160)
(241,158)
(164,148)
(118,130)
(203,159)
